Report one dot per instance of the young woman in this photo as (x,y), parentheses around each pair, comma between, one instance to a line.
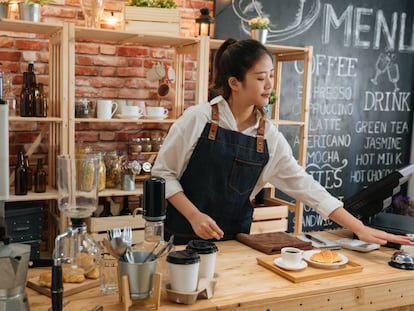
(219,155)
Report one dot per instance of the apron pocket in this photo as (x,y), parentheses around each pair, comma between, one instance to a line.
(244,175)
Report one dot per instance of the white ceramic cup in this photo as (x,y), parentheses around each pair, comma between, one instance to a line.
(106,108)
(156,72)
(291,256)
(156,112)
(133,111)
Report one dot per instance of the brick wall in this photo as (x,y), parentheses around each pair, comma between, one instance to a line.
(102,71)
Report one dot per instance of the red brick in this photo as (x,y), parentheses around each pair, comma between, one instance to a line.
(11,56)
(132,51)
(87,48)
(86,71)
(109,61)
(33,45)
(6,43)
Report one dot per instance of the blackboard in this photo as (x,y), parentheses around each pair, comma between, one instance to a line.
(362,78)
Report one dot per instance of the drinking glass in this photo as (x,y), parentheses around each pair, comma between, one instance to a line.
(92,10)
(78,177)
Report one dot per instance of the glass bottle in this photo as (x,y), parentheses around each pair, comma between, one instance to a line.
(20,176)
(32,85)
(39,101)
(40,178)
(106,210)
(29,173)
(25,97)
(125,207)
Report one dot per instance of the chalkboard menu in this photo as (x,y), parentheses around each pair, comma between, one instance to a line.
(362,78)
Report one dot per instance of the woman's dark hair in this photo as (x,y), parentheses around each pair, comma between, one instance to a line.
(233,59)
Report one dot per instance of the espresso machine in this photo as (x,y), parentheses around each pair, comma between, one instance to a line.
(14,257)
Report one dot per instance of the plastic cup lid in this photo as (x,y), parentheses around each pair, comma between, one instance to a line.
(184,257)
(202,246)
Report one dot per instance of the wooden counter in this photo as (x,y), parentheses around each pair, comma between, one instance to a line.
(245,285)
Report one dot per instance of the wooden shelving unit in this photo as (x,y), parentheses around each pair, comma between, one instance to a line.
(61,112)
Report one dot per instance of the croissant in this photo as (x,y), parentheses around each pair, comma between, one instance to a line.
(326,256)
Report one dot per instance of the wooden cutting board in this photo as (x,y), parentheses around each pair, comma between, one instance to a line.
(68,288)
(310,272)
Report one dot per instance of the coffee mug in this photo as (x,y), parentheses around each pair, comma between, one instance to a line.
(157,72)
(166,91)
(158,112)
(132,111)
(106,108)
(291,256)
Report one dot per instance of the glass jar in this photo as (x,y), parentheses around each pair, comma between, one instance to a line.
(146,144)
(156,143)
(101,172)
(135,146)
(81,108)
(113,169)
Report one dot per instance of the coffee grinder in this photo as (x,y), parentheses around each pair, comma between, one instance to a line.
(75,250)
(14,258)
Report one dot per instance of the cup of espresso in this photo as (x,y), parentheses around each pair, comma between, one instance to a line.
(156,112)
(291,256)
(106,108)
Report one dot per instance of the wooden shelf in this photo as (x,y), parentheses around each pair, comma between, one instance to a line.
(35,119)
(29,27)
(114,120)
(50,194)
(123,37)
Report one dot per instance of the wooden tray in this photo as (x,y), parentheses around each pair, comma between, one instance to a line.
(310,273)
(68,288)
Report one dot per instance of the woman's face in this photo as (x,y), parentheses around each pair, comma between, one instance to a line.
(258,82)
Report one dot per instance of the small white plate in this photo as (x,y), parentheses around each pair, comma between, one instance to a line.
(155,117)
(126,116)
(279,262)
(307,255)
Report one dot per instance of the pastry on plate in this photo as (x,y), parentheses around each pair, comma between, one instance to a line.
(45,279)
(326,256)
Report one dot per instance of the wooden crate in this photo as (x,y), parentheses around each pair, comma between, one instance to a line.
(272,217)
(152,20)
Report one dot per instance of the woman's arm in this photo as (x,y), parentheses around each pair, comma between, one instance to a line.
(365,233)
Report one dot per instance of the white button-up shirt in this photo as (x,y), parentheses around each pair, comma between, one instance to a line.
(282,169)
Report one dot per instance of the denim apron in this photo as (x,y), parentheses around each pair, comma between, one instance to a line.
(221,174)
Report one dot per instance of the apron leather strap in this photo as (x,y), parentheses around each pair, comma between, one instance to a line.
(214,125)
(260,132)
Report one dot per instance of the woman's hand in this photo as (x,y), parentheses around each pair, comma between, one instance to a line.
(365,233)
(372,235)
(205,227)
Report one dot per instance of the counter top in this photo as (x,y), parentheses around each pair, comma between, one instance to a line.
(243,284)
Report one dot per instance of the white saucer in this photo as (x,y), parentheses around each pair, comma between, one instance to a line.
(155,117)
(308,254)
(127,116)
(279,262)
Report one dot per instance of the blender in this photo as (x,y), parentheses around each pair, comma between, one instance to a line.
(75,250)
(14,258)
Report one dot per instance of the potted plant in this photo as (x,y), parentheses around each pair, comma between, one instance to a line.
(272,99)
(259,28)
(160,16)
(4,9)
(29,10)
